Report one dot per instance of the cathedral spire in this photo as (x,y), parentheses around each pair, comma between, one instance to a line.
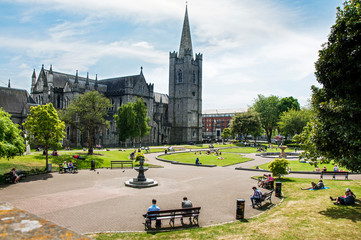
(185,47)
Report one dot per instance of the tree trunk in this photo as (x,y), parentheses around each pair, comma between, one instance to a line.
(91,142)
(46,157)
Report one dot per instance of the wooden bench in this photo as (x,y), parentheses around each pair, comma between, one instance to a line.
(9,179)
(62,170)
(121,163)
(334,174)
(266,184)
(265,196)
(171,215)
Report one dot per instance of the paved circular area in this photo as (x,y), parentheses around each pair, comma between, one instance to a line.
(98,201)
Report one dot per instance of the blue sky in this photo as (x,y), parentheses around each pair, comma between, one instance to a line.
(249,47)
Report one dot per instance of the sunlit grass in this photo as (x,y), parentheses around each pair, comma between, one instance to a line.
(302,215)
(223,159)
(295,165)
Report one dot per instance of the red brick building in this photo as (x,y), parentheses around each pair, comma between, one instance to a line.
(215,121)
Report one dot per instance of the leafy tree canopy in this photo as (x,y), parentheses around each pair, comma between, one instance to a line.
(337,126)
(268,109)
(289,103)
(132,121)
(227,133)
(44,127)
(87,112)
(11,141)
(246,123)
(293,121)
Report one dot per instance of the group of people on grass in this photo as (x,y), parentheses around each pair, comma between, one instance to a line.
(186,203)
(347,199)
(68,167)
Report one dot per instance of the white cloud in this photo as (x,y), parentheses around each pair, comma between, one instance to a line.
(249,47)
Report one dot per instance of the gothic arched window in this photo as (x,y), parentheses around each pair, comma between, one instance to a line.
(180,76)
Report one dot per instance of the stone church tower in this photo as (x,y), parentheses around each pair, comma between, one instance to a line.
(185,90)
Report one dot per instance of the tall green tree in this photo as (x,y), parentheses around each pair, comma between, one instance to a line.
(87,112)
(289,103)
(292,122)
(11,141)
(245,123)
(268,110)
(141,120)
(227,133)
(337,125)
(132,121)
(124,120)
(44,127)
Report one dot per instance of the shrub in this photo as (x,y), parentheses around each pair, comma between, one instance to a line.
(278,167)
(138,156)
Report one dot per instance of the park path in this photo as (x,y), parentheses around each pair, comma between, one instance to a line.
(98,201)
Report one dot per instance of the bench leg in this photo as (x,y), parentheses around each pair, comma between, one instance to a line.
(195,220)
(171,222)
(148,224)
(334,177)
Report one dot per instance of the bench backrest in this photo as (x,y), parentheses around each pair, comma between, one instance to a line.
(121,161)
(332,173)
(173,212)
(266,195)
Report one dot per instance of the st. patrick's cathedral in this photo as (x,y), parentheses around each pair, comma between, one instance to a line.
(174,118)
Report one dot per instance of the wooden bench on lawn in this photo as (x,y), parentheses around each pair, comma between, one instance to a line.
(171,215)
(265,196)
(121,163)
(334,174)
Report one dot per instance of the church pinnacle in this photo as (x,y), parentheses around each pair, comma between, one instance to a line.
(186,41)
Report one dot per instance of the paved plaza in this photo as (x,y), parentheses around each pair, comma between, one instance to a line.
(98,201)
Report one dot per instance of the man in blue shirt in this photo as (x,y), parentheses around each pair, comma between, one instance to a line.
(154,207)
(256,195)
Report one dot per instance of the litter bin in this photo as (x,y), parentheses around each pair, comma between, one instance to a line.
(165,151)
(240,209)
(49,167)
(92,165)
(278,189)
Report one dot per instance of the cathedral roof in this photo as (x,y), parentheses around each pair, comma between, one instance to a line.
(119,83)
(161,98)
(15,101)
(60,79)
(186,41)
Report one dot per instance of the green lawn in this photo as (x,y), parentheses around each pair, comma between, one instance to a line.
(253,150)
(295,165)
(37,161)
(190,157)
(302,215)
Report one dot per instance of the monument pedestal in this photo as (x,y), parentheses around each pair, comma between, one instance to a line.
(141,181)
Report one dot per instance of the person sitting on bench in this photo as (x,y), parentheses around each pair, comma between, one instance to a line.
(70,166)
(14,176)
(319,185)
(267,180)
(65,167)
(348,199)
(154,207)
(187,204)
(257,195)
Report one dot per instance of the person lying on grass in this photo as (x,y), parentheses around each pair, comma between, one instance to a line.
(347,199)
(319,185)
